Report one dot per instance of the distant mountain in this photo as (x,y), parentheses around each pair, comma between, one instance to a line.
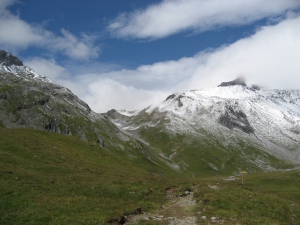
(230,126)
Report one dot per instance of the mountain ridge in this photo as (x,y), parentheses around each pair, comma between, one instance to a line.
(215,130)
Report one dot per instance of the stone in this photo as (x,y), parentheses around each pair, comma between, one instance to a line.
(159,219)
(123,220)
(138,211)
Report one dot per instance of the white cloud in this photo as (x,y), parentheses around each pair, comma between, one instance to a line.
(106,94)
(48,68)
(268,58)
(161,75)
(173,16)
(73,46)
(18,34)
(15,31)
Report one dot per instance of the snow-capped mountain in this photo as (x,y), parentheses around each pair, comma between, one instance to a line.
(233,115)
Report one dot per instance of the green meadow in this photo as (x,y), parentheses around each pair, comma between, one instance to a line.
(48,178)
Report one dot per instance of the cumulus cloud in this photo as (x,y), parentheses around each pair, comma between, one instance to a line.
(161,75)
(73,46)
(18,34)
(173,16)
(106,94)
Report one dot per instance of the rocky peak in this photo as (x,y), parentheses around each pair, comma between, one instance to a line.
(237,81)
(7,59)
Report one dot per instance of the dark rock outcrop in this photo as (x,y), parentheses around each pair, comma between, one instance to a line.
(238,81)
(235,119)
(7,59)
(178,99)
(170,97)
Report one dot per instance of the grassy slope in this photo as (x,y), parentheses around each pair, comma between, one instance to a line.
(51,178)
(194,155)
(46,178)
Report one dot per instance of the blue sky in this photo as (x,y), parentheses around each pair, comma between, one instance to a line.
(129,54)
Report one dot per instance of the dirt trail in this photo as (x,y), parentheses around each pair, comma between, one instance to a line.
(178,211)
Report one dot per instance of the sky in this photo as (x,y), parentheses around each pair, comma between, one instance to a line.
(120,54)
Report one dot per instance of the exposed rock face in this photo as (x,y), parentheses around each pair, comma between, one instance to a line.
(7,59)
(235,119)
(238,81)
(178,99)
(170,97)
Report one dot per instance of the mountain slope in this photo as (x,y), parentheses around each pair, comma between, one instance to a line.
(30,100)
(230,127)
